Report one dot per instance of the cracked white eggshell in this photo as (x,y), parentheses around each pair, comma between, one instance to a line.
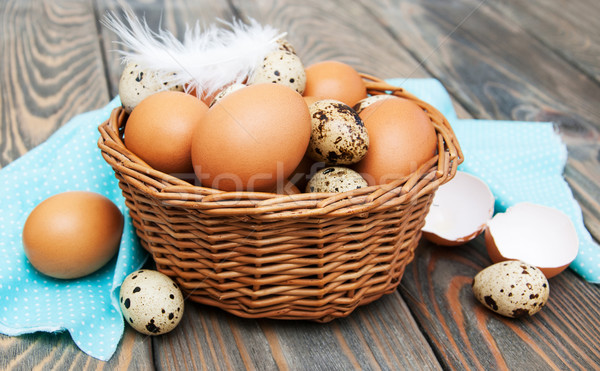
(539,235)
(460,211)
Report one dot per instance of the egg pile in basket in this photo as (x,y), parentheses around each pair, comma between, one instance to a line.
(263,241)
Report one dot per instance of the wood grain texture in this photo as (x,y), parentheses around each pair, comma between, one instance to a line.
(340,30)
(57,351)
(564,335)
(573,34)
(51,70)
(381,335)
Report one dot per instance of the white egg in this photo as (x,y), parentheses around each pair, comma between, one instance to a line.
(151,302)
(137,83)
(512,288)
(281,67)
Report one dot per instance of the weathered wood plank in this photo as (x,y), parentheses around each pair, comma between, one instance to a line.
(573,33)
(563,335)
(380,335)
(339,30)
(492,66)
(51,70)
(58,351)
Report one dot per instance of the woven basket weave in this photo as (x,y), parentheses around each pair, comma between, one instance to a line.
(310,256)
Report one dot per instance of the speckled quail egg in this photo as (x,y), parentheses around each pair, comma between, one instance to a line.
(151,302)
(512,288)
(366,102)
(335,179)
(339,136)
(137,83)
(285,45)
(281,67)
(230,89)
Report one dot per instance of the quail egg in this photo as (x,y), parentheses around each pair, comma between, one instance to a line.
(285,45)
(512,288)
(151,302)
(137,83)
(281,67)
(339,136)
(335,179)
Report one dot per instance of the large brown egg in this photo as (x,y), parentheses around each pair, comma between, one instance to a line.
(251,138)
(72,234)
(402,138)
(334,80)
(160,128)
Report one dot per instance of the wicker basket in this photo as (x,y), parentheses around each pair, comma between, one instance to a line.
(260,255)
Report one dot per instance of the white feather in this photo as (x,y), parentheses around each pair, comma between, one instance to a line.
(206,60)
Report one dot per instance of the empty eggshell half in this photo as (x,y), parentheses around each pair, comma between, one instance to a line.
(460,210)
(539,235)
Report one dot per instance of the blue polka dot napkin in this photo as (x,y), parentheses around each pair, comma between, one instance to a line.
(87,308)
(519,161)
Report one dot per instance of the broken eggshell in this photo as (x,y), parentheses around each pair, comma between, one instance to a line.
(539,235)
(459,212)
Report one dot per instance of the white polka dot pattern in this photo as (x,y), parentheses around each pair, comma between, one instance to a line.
(88,307)
(520,161)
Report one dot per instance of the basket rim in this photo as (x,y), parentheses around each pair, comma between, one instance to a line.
(172,191)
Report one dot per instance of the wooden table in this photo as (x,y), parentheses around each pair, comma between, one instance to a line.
(535,60)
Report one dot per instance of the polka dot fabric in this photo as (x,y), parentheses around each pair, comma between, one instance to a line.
(88,307)
(519,161)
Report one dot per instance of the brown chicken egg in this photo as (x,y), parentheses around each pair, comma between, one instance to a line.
(335,80)
(251,138)
(72,234)
(160,128)
(402,138)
